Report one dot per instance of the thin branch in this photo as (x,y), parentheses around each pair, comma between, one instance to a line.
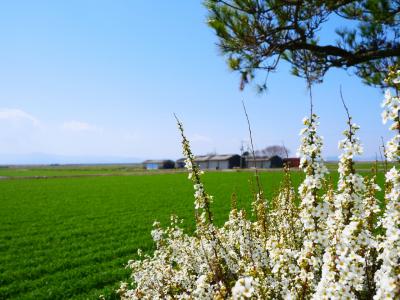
(260,190)
(234,7)
(351,133)
(384,154)
(344,104)
(311,98)
(284,149)
(249,129)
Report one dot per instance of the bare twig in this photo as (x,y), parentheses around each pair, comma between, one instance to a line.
(351,133)
(250,132)
(260,190)
(385,161)
(311,99)
(344,104)
(284,149)
(259,203)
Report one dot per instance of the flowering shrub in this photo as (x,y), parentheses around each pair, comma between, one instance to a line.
(327,247)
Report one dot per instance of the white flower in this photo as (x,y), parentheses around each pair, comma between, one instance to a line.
(243,288)
(392,174)
(387,277)
(326,244)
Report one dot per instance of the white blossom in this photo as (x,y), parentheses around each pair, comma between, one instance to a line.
(243,288)
(313,210)
(323,248)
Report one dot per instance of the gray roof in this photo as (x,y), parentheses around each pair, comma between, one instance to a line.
(202,158)
(155,161)
(258,158)
(214,157)
(222,157)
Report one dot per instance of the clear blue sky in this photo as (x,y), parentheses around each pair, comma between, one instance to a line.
(103,78)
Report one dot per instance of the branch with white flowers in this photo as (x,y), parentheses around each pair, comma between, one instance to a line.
(321,247)
(388,276)
(313,211)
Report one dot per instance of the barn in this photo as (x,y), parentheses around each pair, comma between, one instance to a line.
(180,163)
(276,161)
(203,161)
(218,162)
(293,162)
(264,162)
(258,162)
(225,161)
(152,164)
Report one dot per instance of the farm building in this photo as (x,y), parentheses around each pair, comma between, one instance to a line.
(152,164)
(293,162)
(203,161)
(258,162)
(264,162)
(180,163)
(218,162)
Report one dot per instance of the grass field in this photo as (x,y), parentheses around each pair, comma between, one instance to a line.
(68,170)
(363,165)
(69,238)
(128,169)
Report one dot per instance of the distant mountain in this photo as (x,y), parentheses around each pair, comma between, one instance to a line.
(46,159)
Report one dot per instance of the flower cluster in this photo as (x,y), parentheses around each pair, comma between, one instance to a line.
(284,240)
(313,212)
(388,276)
(341,260)
(350,185)
(350,257)
(391,112)
(243,288)
(391,105)
(319,243)
(202,199)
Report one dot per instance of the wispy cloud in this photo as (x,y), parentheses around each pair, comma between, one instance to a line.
(17,115)
(79,126)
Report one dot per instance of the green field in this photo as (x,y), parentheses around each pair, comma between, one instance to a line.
(68,170)
(363,165)
(128,169)
(69,238)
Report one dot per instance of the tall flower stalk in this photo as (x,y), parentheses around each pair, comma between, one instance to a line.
(284,240)
(350,258)
(312,208)
(202,199)
(388,276)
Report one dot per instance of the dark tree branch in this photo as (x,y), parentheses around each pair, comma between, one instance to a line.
(255,34)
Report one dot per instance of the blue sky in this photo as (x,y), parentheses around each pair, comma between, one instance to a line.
(103,79)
